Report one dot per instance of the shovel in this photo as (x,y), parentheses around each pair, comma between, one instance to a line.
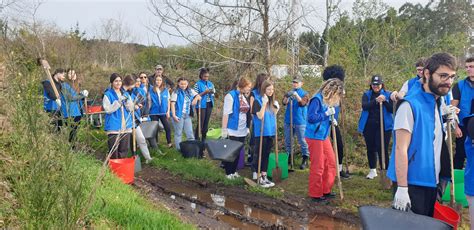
(138,164)
(452,203)
(334,141)
(247,180)
(384,181)
(276,172)
(292,169)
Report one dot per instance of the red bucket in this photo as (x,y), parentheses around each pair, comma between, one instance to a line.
(124,168)
(446,214)
(94,109)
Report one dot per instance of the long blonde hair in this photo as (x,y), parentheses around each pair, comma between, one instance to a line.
(332,91)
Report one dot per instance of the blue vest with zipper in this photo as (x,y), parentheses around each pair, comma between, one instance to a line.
(467,95)
(318,130)
(387,116)
(201,87)
(420,154)
(113,121)
(299,112)
(70,108)
(180,101)
(469,170)
(159,107)
(268,123)
(233,122)
(413,82)
(49,104)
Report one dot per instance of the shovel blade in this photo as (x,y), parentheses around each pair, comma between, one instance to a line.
(250,182)
(385,181)
(276,175)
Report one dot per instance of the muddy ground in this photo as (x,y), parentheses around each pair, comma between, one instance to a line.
(211,206)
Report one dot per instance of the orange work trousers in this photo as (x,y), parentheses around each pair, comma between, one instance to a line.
(322,169)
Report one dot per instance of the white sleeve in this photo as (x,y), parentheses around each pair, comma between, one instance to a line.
(108,107)
(228,104)
(404,87)
(174,97)
(193,92)
(404,118)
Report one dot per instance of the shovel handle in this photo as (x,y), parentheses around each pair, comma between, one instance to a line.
(339,183)
(451,159)
(382,136)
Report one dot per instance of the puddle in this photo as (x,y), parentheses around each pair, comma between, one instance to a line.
(263,216)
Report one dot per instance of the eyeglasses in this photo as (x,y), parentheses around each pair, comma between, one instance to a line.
(143,77)
(419,69)
(445,76)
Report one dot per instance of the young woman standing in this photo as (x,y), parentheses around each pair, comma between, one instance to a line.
(159,101)
(206,90)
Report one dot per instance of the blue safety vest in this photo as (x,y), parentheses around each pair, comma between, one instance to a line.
(113,121)
(299,112)
(180,102)
(269,121)
(159,105)
(71,107)
(49,104)
(467,96)
(233,122)
(201,87)
(387,116)
(318,130)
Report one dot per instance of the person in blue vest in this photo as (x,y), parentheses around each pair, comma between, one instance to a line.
(236,120)
(51,103)
(463,98)
(417,161)
(181,100)
(322,169)
(159,102)
(264,107)
(330,72)
(206,90)
(369,122)
(469,170)
(407,85)
(261,77)
(72,107)
(299,98)
(118,105)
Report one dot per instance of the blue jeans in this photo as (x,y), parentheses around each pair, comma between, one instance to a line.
(299,131)
(185,123)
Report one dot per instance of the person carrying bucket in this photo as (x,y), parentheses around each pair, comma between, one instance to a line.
(264,109)
(322,169)
(117,105)
(296,101)
(369,122)
(417,162)
(181,100)
(469,170)
(236,120)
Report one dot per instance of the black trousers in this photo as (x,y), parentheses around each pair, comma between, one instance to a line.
(422,199)
(166,126)
(340,144)
(267,145)
(460,155)
(56,120)
(74,125)
(374,145)
(205,117)
(120,151)
(231,167)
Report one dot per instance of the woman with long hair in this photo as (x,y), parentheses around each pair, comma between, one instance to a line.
(159,102)
(322,170)
(236,120)
(71,110)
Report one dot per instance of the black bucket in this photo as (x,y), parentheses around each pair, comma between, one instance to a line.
(224,149)
(191,149)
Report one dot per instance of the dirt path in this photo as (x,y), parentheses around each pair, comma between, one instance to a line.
(213,206)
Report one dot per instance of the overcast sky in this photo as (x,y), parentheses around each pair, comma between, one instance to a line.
(89,13)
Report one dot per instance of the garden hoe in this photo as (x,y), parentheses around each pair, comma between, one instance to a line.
(276,172)
(384,181)
(334,141)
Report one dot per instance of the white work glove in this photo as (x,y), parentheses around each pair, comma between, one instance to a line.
(401,201)
(213,90)
(450,111)
(85,93)
(130,105)
(58,102)
(295,94)
(330,111)
(334,122)
(122,98)
(264,100)
(224,133)
(276,105)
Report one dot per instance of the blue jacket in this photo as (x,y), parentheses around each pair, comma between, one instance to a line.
(71,106)
(469,170)
(387,115)
(233,122)
(113,121)
(318,124)
(467,95)
(200,87)
(421,162)
(159,106)
(269,121)
(299,112)
(413,82)
(180,101)
(49,104)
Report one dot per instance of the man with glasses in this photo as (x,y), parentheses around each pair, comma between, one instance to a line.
(159,72)
(418,162)
(463,98)
(419,65)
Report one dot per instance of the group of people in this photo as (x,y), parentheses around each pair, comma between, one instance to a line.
(416,115)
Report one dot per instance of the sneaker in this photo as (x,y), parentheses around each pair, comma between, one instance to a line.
(304,163)
(262,183)
(148,161)
(266,180)
(230,176)
(320,200)
(372,174)
(344,174)
(236,175)
(329,195)
(254,176)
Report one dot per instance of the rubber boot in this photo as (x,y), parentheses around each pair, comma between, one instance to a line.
(304,163)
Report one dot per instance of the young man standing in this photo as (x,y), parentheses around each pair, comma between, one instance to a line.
(159,72)
(463,98)
(417,161)
(419,65)
(298,98)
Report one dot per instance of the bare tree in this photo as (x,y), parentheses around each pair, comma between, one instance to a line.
(240,32)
